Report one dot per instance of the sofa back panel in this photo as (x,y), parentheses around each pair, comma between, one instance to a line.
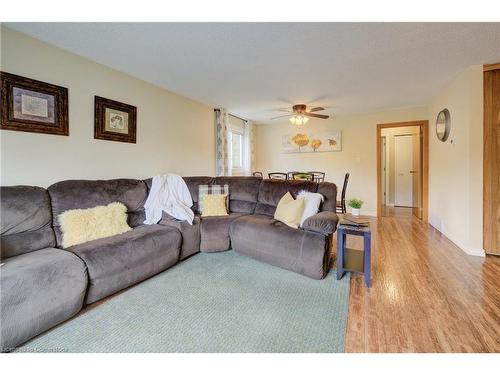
(329,192)
(25,220)
(71,194)
(243,192)
(193,183)
(271,191)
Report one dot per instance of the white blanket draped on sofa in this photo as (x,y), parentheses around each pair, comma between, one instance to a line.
(168,193)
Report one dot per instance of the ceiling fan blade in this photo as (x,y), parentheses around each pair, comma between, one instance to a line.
(284,110)
(316,115)
(274,118)
(316,109)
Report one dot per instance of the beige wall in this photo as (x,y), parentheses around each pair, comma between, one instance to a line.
(358,155)
(455,167)
(390,133)
(174,134)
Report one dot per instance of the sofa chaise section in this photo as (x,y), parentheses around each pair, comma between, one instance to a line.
(41,286)
(265,239)
(304,250)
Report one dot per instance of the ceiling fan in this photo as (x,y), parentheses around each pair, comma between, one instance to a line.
(301,114)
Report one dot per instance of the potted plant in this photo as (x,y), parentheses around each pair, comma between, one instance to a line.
(355,205)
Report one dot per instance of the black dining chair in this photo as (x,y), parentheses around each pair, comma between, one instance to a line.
(290,174)
(278,176)
(340,207)
(318,176)
(303,176)
(257,174)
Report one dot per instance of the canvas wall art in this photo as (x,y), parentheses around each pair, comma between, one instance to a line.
(302,141)
(33,106)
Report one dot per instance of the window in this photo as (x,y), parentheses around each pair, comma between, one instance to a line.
(236,150)
(236,145)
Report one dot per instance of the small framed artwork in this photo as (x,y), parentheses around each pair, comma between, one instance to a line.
(33,106)
(114,121)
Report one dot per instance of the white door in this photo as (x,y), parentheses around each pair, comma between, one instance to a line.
(403,155)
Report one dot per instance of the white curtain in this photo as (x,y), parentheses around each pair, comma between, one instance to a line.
(221,146)
(249,148)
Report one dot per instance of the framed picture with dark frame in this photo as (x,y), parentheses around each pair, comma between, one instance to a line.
(33,106)
(114,121)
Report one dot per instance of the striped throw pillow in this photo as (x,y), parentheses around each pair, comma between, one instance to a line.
(210,189)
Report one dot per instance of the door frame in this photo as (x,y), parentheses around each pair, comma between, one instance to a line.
(490,166)
(384,174)
(424,126)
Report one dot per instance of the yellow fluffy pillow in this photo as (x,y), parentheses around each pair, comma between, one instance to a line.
(289,210)
(82,225)
(214,205)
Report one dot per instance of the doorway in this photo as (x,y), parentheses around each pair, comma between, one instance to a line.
(402,169)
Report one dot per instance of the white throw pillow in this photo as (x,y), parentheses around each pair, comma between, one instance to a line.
(312,202)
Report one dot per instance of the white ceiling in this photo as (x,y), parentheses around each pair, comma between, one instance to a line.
(254,69)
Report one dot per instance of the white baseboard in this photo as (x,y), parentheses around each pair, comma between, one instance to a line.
(466,249)
(475,252)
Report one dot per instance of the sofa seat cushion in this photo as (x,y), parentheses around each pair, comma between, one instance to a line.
(39,290)
(265,239)
(190,234)
(117,262)
(215,232)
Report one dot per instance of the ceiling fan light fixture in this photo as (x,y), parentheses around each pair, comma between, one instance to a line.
(299,120)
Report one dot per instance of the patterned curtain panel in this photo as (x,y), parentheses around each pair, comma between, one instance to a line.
(249,148)
(221,151)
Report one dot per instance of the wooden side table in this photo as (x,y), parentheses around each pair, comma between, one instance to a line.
(354,260)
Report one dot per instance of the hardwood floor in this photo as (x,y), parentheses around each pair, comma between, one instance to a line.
(427,295)
(396,211)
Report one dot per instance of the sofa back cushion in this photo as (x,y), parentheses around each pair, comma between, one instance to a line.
(25,220)
(329,192)
(271,191)
(243,192)
(72,194)
(193,184)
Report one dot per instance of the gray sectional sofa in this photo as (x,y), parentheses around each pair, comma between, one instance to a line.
(42,285)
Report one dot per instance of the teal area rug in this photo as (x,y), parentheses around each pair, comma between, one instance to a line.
(220,302)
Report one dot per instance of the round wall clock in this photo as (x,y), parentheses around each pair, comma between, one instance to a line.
(443,125)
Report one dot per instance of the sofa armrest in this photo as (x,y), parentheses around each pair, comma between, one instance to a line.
(324,222)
